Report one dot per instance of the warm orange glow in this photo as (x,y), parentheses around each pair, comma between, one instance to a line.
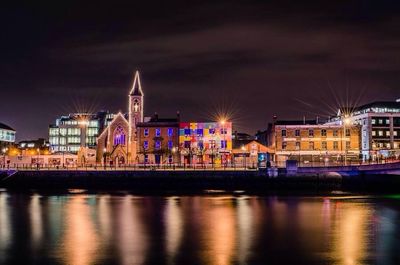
(80,242)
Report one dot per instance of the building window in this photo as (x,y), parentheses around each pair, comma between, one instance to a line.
(373,133)
(311,133)
(395,145)
(170,132)
(224,144)
(158,145)
(347,145)
(388,145)
(170,144)
(224,131)
(146,145)
(187,144)
(200,145)
(212,144)
(323,132)
(335,133)
(387,121)
(284,145)
(394,133)
(199,132)
(158,132)
(311,145)
(380,133)
(211,131)
(380,121)
(324,145)
(373,121)
(297,133)
(146,159)
(170,160)
(283,132)
(347,132)
(187,131)
(335,145)
(297,145)
(119,136)
(146,132)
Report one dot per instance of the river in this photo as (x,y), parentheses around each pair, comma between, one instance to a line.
(79,228)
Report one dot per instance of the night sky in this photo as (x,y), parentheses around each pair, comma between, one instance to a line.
(251,59)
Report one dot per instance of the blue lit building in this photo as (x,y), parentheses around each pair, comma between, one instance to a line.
(7,135)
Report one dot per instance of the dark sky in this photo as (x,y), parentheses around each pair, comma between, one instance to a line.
(252,59)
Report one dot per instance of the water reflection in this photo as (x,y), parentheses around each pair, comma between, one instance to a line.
(174,227)
(214,230)
(80,241)
(5,226)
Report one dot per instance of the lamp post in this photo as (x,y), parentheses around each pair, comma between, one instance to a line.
(224,141)
(38,158)
(4,151)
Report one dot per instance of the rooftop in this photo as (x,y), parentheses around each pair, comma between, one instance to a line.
(6,127)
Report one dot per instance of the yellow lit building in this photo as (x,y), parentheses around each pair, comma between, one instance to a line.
(317,143)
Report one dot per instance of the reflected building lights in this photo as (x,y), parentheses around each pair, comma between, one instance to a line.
(245,225)
(5,227)
(174,225)
(80,244)
(133,241)
(35,212)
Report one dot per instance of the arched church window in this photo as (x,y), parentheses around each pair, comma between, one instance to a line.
(119,136)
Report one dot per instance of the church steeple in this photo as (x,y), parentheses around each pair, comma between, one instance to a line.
(137,86)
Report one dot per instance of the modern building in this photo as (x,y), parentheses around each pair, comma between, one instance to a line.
(380,128)
(7,135)
(72,132)
(205,142)
(158,141)
(314,143)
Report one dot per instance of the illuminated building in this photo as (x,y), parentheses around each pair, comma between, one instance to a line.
(118,142)
(27,146)
(205,142)
(380,128)
(77,130)
(7,135)
(310,143)
(158,140)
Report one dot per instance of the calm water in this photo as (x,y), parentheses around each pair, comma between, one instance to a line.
(82,229)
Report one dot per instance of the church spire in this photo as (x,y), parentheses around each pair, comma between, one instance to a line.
(137,87)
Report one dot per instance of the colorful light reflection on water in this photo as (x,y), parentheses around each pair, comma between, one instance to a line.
(85,229)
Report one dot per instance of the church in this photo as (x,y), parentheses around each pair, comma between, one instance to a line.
(117,143)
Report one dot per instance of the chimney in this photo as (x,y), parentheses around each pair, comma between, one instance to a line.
(274,119)
(304,120)
(317,120)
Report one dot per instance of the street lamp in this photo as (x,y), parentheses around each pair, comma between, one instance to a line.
(38,157)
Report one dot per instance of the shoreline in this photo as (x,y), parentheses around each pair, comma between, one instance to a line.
(194,181)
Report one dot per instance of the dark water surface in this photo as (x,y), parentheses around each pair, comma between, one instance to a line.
(82,229)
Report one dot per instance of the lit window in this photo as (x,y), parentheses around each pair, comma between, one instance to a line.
(297,145)
(311,145)
(347,132)
(373,133)
(335,145)
(324,145)
(347,145)
(284,145)
(158,132)
(323,132)
(224,144)
(394,133)
(373,121)
(200,145)
(146,145)
(119,136)
(211,131)
(170,144)
(146,132)
(387,133)
(388,145)
(335,133)
(199,132)
(170,132)
(311,133)
(187,131)
(380,121)
(387,121)
(380,133)
(158,145)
